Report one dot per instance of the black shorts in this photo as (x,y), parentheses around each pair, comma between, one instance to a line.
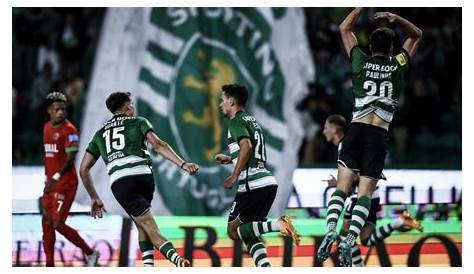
(363,149)
(374,209)
(134,193)
(253,205)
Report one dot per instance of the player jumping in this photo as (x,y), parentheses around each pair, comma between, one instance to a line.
(377,81)
(334,129)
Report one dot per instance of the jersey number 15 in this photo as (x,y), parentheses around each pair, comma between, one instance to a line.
(117,141)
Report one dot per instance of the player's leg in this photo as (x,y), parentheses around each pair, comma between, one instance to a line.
(356,254)
(62,205)
(256,224)
(255,229)
(247,221)
(49,234)
(373,142)
(146,248)
(384,231)
(255,246)
(148,225)
(348,206)
(345,178)
(360,214)
(366,230)
(134,194)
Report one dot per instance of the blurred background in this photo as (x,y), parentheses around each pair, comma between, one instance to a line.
(56,49)
(59,53)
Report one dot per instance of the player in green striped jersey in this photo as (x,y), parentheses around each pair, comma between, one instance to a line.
(377,78)
(256,185)
(120,142)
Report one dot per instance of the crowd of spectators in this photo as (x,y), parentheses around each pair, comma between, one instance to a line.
(53,50)
(426,131)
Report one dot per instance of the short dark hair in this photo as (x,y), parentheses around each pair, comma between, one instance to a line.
(116,100)
(55,97)
(238,92)
(338,120)
(381,40)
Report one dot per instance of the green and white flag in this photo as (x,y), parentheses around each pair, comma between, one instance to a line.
(174,62)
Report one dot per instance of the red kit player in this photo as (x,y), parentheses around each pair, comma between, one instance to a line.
(61,143)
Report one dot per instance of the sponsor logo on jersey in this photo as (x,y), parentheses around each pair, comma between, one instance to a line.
(50,148)
(56,136)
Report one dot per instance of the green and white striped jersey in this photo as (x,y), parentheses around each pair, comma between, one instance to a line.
(377,82)
(121,144)
(255,175)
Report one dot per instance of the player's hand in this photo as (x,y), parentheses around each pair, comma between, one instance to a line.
(191,168)
(49,186)
(385,15)
(230,181)
(332,182)
(223,159)
(97,208)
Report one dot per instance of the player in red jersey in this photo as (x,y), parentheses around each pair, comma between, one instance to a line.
(61,142)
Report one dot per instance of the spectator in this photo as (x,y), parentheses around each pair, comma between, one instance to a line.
(47,54)
(41,86)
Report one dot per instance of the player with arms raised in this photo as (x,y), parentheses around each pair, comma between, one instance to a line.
(61,141)
(377,81)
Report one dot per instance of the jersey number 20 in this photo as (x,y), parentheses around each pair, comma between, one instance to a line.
(117,141)
(385,88)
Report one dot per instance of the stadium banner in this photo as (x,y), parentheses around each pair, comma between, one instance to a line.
(406,186)
(174,61)
(204,241)
(103,235)
(402,186)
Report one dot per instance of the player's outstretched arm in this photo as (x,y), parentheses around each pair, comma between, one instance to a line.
(346,29)
(413,32)
(97,207)
(165,149)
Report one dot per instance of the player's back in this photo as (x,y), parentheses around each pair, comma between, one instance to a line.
(377,83)
(120,142)
(256,174)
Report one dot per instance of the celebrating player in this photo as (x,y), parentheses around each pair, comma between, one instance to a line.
(334,129)
(60,139)
(256,186)
(121,144)
(377,81)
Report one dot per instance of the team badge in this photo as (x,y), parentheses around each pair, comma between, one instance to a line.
(198,62)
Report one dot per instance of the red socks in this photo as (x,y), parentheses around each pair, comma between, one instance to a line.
(74,237)
(49,237)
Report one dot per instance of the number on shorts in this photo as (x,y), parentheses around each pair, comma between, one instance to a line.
(60,205)
(233,207)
